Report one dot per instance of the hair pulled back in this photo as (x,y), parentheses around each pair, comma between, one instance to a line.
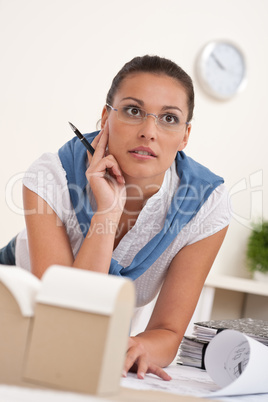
(154,65)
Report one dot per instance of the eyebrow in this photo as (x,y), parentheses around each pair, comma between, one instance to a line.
(172,107)
(141,103)
(135,99)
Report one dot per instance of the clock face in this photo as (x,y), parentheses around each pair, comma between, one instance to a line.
(221,69)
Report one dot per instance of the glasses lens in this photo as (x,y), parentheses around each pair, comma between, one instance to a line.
(135,115)
(169,122)
(131,114)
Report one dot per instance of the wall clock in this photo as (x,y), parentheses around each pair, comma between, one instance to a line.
(221,69)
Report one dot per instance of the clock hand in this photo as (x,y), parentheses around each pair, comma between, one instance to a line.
(218,62)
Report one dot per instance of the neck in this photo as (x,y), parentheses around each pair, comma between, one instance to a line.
(140,190)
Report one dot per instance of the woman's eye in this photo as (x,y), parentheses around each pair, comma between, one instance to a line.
(133,111)
(170,119)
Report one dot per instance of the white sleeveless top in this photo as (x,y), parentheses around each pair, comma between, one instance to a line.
(46,177)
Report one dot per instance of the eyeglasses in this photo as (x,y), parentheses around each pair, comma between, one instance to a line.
(134,115)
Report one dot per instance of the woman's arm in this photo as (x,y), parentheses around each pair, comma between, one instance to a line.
(157,346)
(47,237)
(49,243)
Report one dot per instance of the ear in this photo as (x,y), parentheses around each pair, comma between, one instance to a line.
(185,139)
(104,116)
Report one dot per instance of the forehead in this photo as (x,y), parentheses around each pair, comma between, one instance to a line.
(153,89)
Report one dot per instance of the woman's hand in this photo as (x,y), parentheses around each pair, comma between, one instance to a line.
(105,177)
(137,359)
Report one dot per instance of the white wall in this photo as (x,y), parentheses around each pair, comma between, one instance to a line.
(57,60)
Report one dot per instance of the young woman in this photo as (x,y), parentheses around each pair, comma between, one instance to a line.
(139,207)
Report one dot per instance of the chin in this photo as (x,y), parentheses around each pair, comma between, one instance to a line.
(143,174)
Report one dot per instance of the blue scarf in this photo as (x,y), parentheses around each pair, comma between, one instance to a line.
(196,184)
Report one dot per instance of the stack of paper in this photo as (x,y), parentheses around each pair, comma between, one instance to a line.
(193,348)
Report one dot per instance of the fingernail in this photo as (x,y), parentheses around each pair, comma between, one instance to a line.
(142,375)
(124,373)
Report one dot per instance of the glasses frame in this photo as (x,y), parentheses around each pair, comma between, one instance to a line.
(145,118)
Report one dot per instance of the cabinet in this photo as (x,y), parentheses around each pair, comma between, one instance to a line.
(231,297)
(223,297)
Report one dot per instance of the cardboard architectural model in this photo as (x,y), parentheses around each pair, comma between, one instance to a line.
(77,338)
(18,290)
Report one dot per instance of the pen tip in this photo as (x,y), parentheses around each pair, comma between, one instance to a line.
(72,126)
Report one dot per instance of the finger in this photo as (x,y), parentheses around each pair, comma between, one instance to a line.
(142,367)
(94,144)
(102,141)
(96,140)
(101,152)
(108,167)
(153,369)
(131,357)
(114,169)
(131,342)
(102,167)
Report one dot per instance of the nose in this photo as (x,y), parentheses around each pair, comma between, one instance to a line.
(148,128)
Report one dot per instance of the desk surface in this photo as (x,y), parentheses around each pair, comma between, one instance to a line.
(188,385)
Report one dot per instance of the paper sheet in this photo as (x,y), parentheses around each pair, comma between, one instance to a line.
(237,370)
(185,381)
(237,363)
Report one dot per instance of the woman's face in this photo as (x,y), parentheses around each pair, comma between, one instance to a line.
(130,144)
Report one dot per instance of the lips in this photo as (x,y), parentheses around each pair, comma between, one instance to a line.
(143,151)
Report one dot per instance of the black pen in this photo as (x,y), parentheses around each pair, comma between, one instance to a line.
(88,146)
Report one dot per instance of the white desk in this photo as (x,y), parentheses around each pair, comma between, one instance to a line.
(188,385)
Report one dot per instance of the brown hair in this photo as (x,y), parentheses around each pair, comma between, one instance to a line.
(155,65)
